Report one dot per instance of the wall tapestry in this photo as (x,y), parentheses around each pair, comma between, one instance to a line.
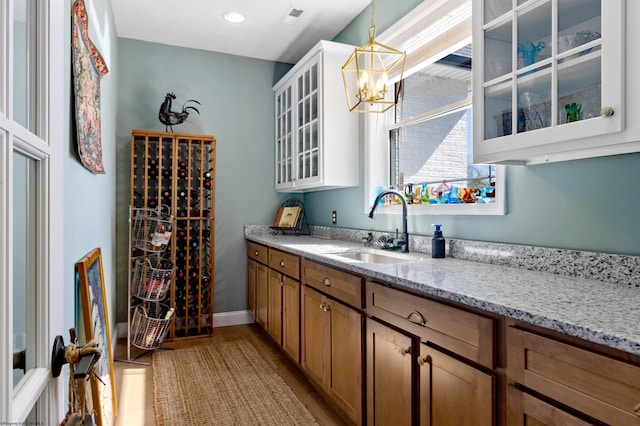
(88,69)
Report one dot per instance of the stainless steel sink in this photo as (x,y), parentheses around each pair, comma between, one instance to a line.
(368,257)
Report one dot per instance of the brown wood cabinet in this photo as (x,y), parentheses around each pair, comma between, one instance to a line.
(389,376)
(452,392)
(331,353)
(465,333)
(283,312)
(256,254)
(410,380)
(431,362)
(573,380)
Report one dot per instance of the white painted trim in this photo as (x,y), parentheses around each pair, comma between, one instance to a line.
(224,319)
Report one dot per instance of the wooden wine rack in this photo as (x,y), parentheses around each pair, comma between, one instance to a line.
(177,172)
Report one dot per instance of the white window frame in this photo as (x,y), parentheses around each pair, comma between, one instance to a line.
(46,147)
(432,30)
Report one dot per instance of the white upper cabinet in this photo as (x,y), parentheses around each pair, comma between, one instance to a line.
(562,66)
(316,135)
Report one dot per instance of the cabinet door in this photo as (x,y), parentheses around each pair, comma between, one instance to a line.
(307,104)
(345,384)
(452,392)
(284,137)
(545,76)
(389,376)
(274,305)
(291,318)
(251,286)
(261,294)
(315,336)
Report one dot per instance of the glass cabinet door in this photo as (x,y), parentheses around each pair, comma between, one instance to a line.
(284,137)
(544,67)
(307,115)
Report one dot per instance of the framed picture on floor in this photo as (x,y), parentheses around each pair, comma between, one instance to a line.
(96,327)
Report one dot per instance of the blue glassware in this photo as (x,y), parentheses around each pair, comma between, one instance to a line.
(530,50)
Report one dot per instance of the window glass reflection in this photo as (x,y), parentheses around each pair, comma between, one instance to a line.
(24,278)
(24,63)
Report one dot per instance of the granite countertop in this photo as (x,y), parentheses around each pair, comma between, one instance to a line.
(596,311)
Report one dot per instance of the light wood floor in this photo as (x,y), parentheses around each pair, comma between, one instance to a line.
(134,382)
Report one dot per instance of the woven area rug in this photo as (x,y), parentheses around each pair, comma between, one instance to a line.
(224,383)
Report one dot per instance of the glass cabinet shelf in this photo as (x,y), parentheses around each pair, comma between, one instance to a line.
(545,72)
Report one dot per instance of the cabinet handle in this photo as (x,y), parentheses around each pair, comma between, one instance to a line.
(282,263)
(326,281)
(404,351)
(636,409)
(606,112)
(417,318)
(325,307)
(423,360)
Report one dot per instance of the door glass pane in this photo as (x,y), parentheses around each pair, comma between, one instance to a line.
(24,259)
(24,63)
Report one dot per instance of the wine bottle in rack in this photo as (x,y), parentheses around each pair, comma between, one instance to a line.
(152,168)
(166,173)
(152,203)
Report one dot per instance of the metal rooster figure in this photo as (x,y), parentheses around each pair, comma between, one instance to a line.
(168,117)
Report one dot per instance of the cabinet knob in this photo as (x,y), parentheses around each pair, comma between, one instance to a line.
(423,360)
(405,351)
(326,281)
(636,409)
(325,307)
(606,112)
(282,263)
(255,253)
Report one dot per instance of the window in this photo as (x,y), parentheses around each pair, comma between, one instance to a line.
(423,146)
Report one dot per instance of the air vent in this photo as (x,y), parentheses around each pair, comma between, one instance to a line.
(292,15)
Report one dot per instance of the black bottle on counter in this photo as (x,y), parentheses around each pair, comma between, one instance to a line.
(437,243)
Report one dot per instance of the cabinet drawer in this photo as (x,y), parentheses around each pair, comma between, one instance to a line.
(257,252)
(341,285)
(464,333)
(288,264)
(596,385)
(525,409)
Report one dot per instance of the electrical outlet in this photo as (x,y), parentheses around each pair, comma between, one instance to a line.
(334,217)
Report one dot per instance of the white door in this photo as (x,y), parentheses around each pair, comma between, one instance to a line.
(31,250)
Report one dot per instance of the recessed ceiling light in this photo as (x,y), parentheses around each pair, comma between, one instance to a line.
(234,17)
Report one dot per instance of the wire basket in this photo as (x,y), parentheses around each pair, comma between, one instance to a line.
(152,229)
(150,325)
(151,278)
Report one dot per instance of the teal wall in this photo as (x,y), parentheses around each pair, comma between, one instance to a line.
(237,107)
(583,204)
(90,199)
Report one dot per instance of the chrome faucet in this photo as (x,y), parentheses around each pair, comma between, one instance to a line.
(404,242)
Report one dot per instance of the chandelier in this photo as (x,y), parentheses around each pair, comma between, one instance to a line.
(366,74)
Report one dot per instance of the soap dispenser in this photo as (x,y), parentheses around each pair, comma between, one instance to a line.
(437,243)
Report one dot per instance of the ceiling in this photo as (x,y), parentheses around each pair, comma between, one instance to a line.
(199,24)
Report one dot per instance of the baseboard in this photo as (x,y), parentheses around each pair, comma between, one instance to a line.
(222,319)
